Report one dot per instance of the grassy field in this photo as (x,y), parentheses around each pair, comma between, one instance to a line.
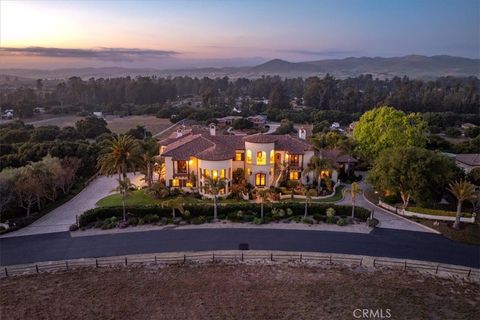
(219,291)
(468,233)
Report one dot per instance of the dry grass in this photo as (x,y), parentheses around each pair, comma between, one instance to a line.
(258,291)
(151,123)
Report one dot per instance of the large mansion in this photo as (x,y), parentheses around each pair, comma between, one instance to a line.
(190,155)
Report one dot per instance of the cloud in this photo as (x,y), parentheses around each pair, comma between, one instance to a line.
(105,54)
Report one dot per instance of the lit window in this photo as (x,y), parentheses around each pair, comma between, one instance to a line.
(189,184)
(272,157)
(249,156)
(294,175)
(261,157)
(249,172)
(206,173)
(325,174)
(222,173)
(215,174)
(260,179)
(175,183)
(239,156)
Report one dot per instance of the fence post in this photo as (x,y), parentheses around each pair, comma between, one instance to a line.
(271,256)
(300,257)
(126,262)
(213,257)
(6,272)
(436,270)
(405,268)
(468,275)
(330,259)
(155,259)
(242,256)
(36,267)
(361,261)
(66,264)
(184,258)
(96,263)
(374,262)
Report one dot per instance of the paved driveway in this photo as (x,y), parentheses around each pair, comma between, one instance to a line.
(387,219)
(62,217)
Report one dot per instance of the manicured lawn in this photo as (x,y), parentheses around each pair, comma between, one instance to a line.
(137,197)
(468,232)
(140,197)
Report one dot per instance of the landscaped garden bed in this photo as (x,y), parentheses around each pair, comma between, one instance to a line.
(110,217)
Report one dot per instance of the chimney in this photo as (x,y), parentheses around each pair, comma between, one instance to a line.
(179,132)
(212,129)
(302,133)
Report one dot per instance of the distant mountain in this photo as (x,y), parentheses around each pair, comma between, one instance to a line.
(413,66)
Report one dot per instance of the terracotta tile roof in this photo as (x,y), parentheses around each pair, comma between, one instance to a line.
(337,155)
(470,159)
(221,147)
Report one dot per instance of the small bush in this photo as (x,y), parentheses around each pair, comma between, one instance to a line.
(330,215)
(198,220)
(289,212)
(73,227)
(308,220)
(133,221)
(342,222)
(141,221)
(257,220)
(372,222)
(319,217)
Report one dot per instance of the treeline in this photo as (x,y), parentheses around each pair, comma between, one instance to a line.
(352,95)
(39,165)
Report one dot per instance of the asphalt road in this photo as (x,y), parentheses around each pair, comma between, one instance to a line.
(380,242)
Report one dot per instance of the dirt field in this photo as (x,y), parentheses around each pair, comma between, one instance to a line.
(257,291)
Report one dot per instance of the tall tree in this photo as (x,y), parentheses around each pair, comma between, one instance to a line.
(387,127)
(414,173)
(121,157)
(462,190)
(316,165)
(213,186)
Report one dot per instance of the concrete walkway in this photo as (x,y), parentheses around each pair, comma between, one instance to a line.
(387,219)
(62,217)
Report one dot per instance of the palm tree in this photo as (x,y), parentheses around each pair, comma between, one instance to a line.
(124,186)
(122,156)
(262,194)
(354,190)
(175,203)
(462,190)
(149,150)
(213,186)
(316,165)
(308,199)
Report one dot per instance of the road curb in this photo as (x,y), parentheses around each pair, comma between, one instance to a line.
(398,216)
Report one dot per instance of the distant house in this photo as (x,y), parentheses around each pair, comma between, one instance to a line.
(468,125)
(468,161)
(228,120)
(258,120)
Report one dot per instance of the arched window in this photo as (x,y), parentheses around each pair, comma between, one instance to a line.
(272,156)
(249,156)
(260,179)
(261,157)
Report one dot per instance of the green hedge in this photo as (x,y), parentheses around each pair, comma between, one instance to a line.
(224,210)
(436,212)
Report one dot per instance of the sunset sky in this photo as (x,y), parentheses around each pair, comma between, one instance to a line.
(173,34)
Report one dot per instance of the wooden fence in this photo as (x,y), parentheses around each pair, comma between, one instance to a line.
(239,256)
